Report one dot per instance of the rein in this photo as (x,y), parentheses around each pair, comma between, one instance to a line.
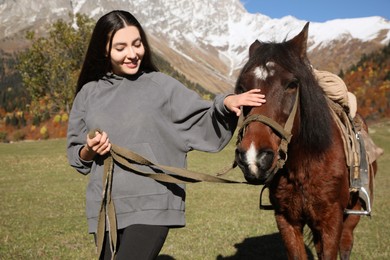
(127,158)
(283,132)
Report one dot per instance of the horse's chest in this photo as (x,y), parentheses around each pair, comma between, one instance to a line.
(298,197)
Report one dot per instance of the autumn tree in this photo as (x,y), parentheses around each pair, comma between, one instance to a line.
(369,80)
(50,67)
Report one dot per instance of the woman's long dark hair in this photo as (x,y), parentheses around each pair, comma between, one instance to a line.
(97,60)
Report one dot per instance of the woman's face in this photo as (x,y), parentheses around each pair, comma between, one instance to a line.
(127,51)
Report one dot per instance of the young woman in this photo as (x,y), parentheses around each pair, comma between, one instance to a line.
(121,92)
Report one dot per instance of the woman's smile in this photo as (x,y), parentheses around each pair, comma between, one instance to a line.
(127,51)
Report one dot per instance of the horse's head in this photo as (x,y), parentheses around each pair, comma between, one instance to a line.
(281,71)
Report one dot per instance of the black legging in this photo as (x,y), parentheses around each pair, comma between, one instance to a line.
(139,242)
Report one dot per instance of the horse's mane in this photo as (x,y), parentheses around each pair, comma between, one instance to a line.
(316,120)
(315,133)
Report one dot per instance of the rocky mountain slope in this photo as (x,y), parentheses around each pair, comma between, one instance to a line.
(207,40)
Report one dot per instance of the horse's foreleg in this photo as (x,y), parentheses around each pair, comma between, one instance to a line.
(326,235)
(350,222)
(346,241)
(292,237)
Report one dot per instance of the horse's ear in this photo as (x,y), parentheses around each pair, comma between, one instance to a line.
(254,46)
(299,42)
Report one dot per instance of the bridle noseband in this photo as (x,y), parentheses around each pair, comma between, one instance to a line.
(283,132)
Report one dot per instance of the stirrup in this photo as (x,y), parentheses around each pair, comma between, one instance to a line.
(363,195)
(361,184)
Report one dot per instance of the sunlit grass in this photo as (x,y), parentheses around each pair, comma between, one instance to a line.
(43,201)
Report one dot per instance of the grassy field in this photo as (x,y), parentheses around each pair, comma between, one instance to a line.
(43,199)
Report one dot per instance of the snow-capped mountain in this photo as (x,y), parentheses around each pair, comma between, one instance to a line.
(208,40)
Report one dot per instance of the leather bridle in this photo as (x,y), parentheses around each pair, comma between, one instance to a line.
(283,132)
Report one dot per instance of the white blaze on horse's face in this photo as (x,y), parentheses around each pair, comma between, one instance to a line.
(263,73)
(251,156)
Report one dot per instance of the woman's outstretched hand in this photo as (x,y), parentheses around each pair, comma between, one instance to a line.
(251,98)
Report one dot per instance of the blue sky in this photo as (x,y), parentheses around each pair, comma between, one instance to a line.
(319,10)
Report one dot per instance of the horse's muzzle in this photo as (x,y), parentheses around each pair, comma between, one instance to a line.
(255,164)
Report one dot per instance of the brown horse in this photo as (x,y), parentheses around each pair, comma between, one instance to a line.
(308,182)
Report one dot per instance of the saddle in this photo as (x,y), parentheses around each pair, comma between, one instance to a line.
(360,150)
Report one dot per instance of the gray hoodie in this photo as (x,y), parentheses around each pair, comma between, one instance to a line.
(157,117)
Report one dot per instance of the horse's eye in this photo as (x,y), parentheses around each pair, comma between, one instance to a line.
(293,84)
(239,89)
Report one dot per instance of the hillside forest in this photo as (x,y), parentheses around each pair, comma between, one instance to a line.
(37,84)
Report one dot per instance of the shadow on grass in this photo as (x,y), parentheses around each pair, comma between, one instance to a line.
(264,247)
(165,257)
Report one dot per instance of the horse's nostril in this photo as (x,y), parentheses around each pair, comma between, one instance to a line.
(265,159)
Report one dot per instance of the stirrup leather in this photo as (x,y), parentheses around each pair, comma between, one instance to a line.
(360,182)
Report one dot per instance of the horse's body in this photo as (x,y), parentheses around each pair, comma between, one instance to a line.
(312,188)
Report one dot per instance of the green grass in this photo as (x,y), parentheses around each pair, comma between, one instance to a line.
(43,200)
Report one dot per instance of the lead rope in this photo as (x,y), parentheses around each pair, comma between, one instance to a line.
(127,158)
(107,211)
